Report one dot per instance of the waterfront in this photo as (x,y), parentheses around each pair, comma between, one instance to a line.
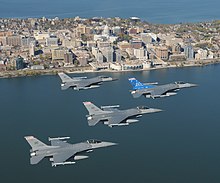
(180,144)
(153,11)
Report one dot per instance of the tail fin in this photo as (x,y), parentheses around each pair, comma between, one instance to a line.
(93,109)
(136,84)
(35,143)
(64,77)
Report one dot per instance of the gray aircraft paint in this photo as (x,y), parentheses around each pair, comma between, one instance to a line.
(80,83)
(112,116)
(159,91)
(60,151)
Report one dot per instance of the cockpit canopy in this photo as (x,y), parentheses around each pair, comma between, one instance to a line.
(103,76)
(94,141)
(143,107)
(180,82)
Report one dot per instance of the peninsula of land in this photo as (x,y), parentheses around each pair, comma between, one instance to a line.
(36,46)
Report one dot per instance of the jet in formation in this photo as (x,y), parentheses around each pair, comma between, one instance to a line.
(82,83)
(111,116)
(60,152)
(152,90)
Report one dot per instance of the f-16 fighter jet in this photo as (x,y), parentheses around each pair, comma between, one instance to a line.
(82,83)
(156,91)
(60,152)
(111,116)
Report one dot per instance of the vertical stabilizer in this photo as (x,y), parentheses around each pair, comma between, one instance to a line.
(93,109)
(137,85)
(35,143)
(64,77)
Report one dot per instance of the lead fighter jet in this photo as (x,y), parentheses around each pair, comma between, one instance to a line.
(112,116)
(61,152)
(80,83)
(156,91)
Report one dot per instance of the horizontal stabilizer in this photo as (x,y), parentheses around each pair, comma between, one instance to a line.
(93,122)
(64,86)
(36,159)
(136,94)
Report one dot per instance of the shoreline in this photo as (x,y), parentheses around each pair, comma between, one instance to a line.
(79,70)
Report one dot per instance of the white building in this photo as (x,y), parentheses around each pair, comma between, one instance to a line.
(32,49)
(52,41)
(201,54)
(140,53)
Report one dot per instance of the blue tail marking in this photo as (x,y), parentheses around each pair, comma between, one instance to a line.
(137,85)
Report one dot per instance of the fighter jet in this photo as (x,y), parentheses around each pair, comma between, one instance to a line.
(60,152)
(150,90)
(111,116)
(79,83)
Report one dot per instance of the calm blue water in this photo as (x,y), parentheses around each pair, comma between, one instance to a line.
(180,144)
(156,11)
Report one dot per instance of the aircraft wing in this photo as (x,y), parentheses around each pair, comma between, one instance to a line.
(116,119)
(62,157)
(59,143)
(86,83)
(82,84)
(158,91)
(162,90)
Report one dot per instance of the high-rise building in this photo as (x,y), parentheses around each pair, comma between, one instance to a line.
(162,53)
(117,56)
(52,41)
(140,53)
(13,40)
(26,41)
(32,49)
(189,52)
(20,63)
(108,54)
(68,57)
(99,57)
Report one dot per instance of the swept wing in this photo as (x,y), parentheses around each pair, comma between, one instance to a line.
(63,156)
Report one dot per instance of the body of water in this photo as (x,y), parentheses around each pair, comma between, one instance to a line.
(156,11)
(180,144)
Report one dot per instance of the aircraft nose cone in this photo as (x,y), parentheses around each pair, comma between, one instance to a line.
(106,144)
(103,144)
(157,110)
(193,85)
(151,110)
